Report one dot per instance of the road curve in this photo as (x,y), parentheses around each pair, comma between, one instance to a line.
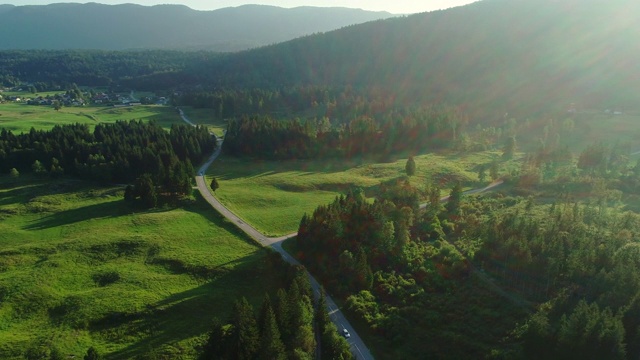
(358,348)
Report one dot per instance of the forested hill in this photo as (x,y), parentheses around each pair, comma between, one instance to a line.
(492,57)
(128,26)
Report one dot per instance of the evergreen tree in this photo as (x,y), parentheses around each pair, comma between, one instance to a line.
(245,341)
(14,173)
(146,190)
(455,199)
(214,184)
(216,346)
(321,316)
(271,346)
(410,167)
(334,346)
(282,313)
(92,354)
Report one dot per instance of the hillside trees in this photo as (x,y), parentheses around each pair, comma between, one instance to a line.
(579,260)
(364,130)
(121,152)
(283,330)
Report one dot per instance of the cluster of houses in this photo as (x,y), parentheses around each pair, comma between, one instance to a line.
(69,99)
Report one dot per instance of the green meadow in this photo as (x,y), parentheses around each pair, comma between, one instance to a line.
(273,195)
(205,117)
(80,268)
(19,117)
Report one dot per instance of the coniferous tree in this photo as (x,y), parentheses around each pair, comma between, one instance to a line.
(271,346)
(455,199)
(92,354)
(321,316)
(282,313)
(145,189)
(214,184)
(245,341)
(216,346)
(410,166)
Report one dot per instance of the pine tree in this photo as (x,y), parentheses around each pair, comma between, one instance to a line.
(282,313)
(321,316)
(245,340)
(92,354)
(455,199)
(216,345)
(146,190)
(410,167)
(214,184)
(271,345)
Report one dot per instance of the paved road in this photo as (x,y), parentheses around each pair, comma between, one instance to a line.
(358,348)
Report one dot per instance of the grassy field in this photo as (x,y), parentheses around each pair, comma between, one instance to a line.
(205,117)
(273,195)
(78,268)
(21,117)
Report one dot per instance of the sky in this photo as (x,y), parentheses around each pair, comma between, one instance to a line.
(392,6)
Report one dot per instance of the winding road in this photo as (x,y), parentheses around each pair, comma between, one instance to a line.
(358,348)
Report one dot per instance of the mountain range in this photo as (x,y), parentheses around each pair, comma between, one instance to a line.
(177,27)
(492,58)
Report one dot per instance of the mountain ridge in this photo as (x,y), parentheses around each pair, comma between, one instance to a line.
(520,55)
(63,26)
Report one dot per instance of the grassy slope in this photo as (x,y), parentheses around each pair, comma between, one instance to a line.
(273,195)
(177,269)
(21,117)
(205,117)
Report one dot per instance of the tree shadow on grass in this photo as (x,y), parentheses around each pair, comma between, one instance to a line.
(25,190)
(182,316)
(258,168)
(102,210)
(202,208)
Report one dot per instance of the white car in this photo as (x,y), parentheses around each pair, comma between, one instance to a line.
(345,333)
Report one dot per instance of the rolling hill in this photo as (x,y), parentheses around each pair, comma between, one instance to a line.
(490,57)
(128,26)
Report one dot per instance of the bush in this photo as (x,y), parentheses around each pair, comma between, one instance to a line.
(106,278)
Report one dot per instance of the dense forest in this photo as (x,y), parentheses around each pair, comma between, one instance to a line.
(152,70)
(294,325)
(115,153)
(563,259)
(485,56)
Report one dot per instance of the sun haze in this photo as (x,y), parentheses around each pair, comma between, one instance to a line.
(395,7)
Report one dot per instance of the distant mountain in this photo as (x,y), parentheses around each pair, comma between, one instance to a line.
(128,26)
(491,57)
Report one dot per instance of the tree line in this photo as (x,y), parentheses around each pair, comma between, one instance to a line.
(391,132)
(121,152)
